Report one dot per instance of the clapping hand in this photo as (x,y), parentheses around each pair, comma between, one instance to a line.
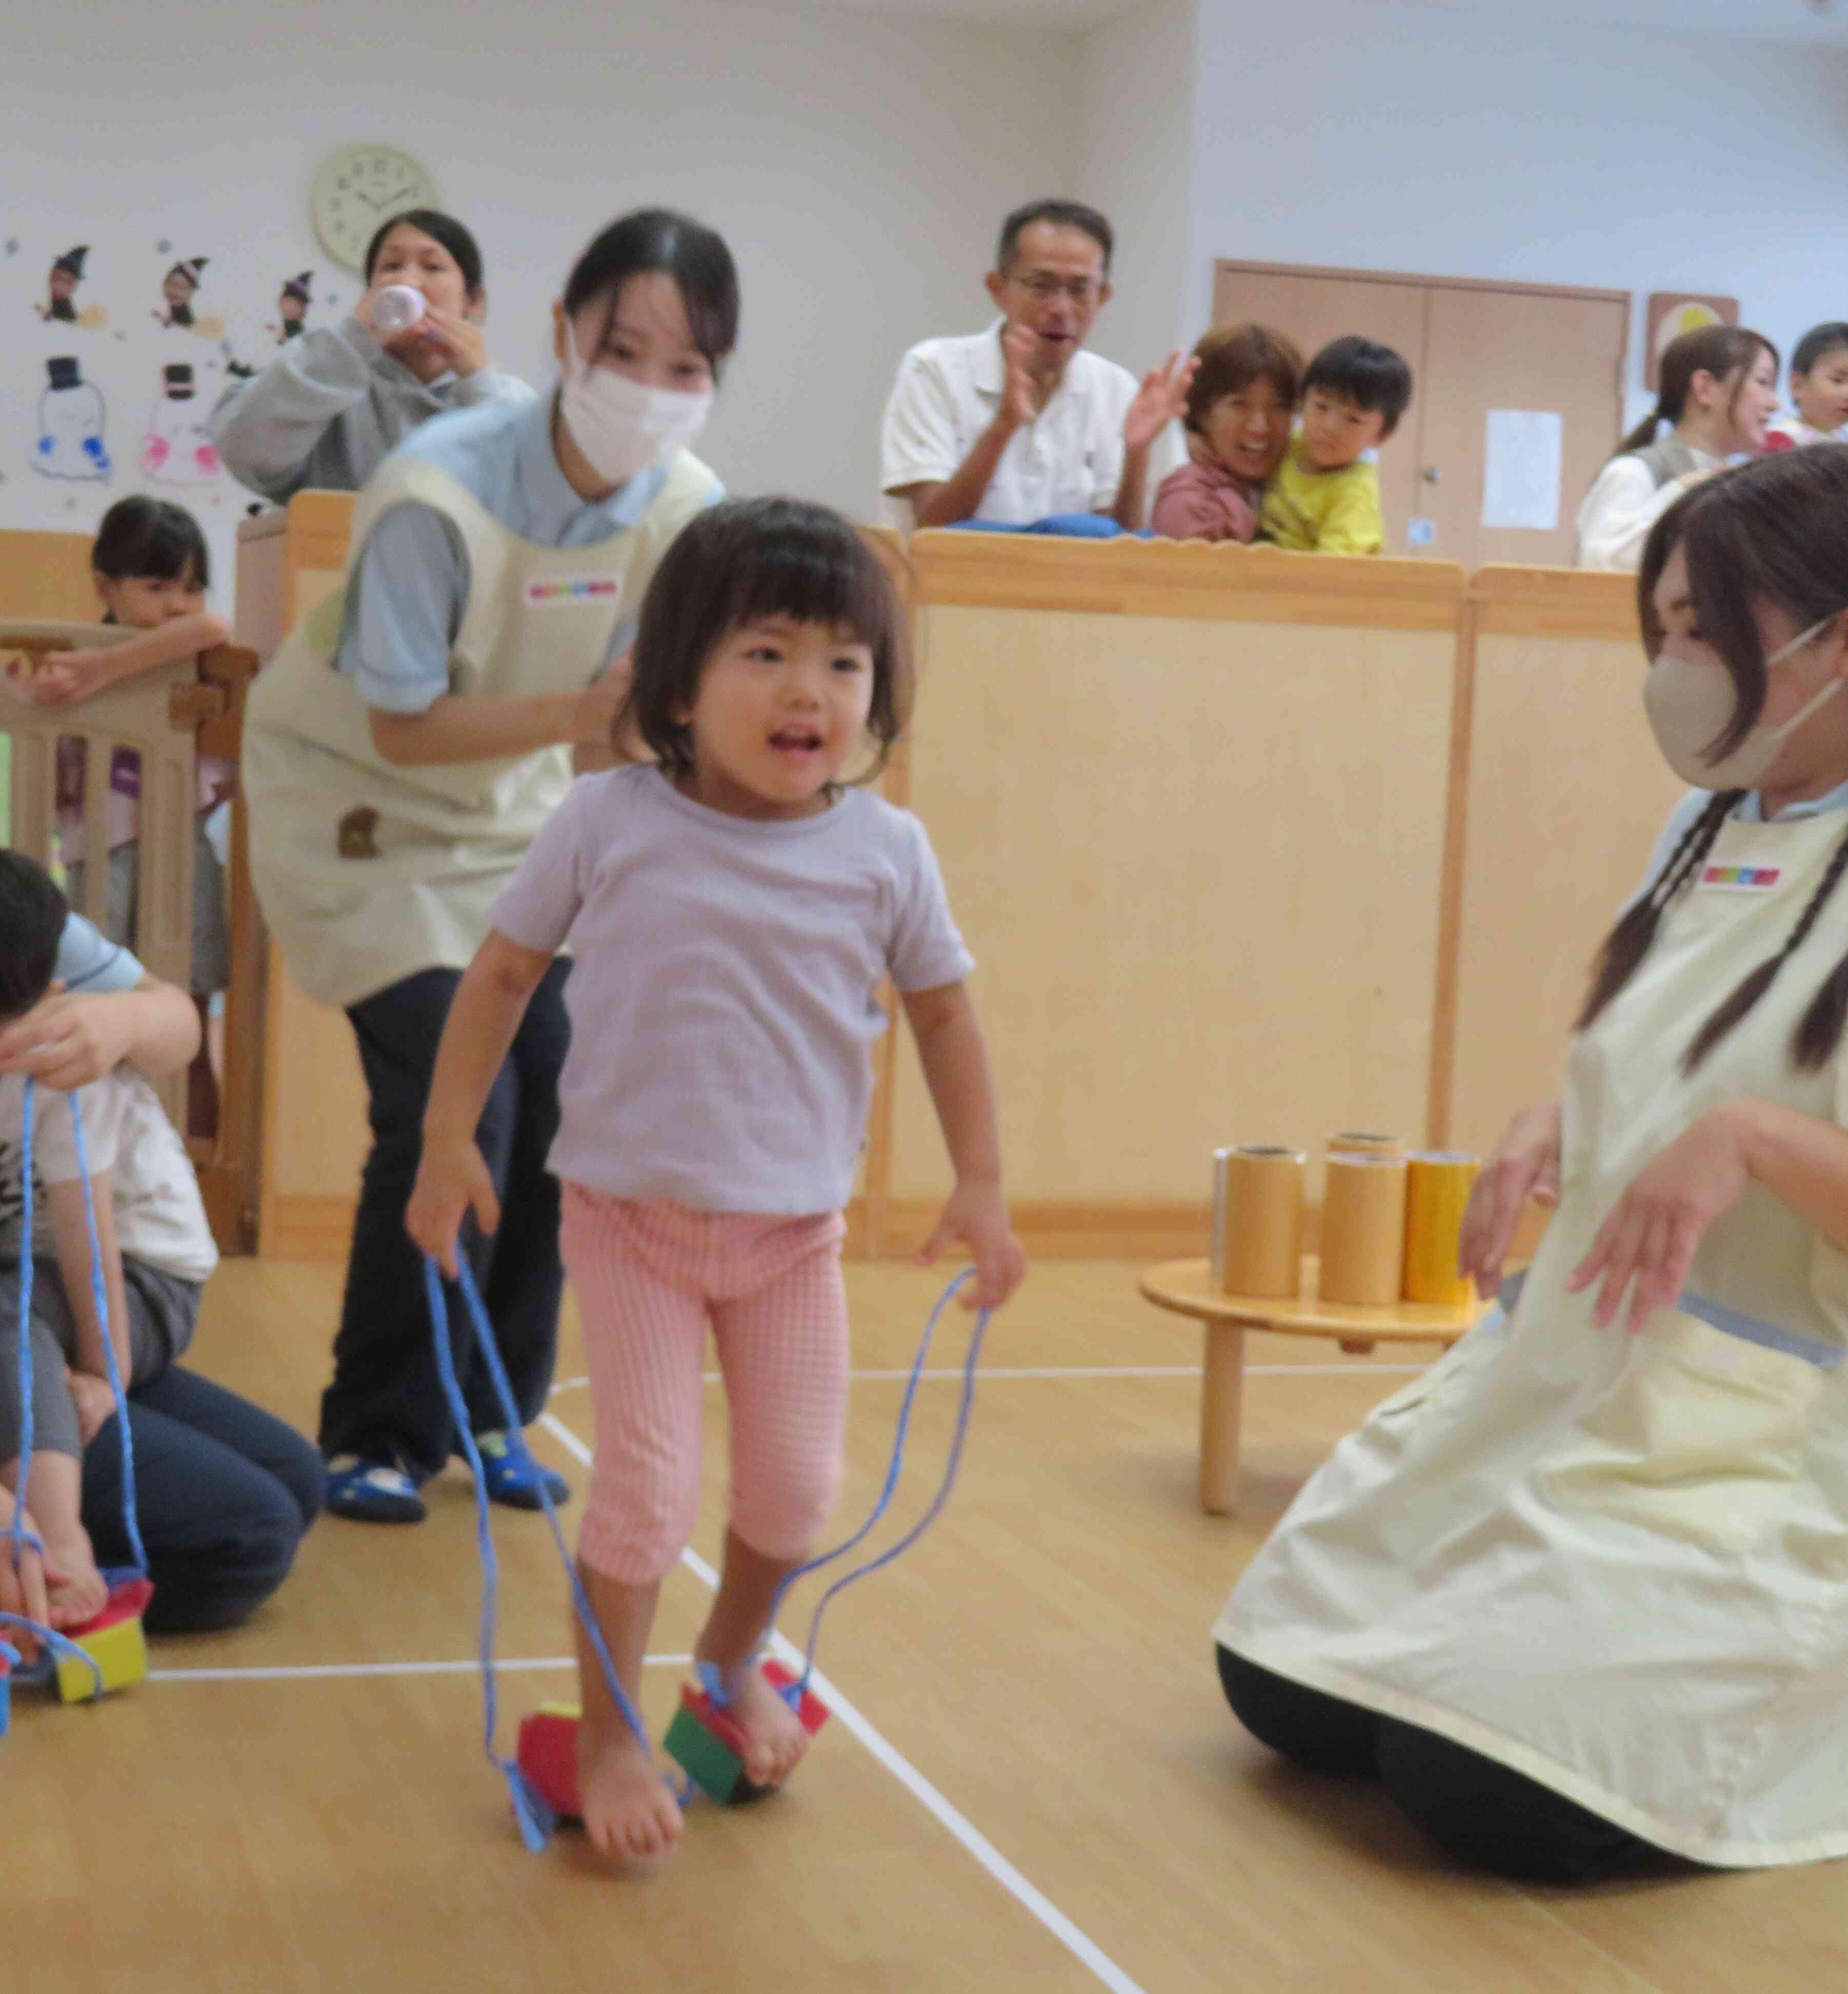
(1161,400)
(1020,396)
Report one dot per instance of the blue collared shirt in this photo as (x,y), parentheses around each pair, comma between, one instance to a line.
(409,591)
(1751,808)
(1751,811)
(90,962)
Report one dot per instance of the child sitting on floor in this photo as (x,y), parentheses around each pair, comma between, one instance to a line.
(1325,497)
(224,1491)
(1819,385)
(1239,407)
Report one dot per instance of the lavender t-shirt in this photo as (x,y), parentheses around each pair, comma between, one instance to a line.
(723,998)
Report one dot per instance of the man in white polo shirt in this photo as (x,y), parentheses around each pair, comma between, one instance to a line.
(1017,423)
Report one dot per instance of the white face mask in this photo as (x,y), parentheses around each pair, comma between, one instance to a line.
(1690,702)
(622,427)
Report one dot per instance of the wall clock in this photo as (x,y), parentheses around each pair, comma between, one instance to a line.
(360,187)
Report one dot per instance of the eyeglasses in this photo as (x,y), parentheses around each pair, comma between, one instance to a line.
(1080,290)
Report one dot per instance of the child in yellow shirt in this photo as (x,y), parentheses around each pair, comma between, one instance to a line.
(1325,496)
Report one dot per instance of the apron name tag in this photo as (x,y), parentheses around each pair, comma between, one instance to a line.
(571,591)
(1742,879)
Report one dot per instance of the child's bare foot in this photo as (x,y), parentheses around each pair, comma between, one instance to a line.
(774,1738)
(627,1808)
(75,1588)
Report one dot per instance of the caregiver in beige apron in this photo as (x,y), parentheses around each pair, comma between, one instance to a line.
(400,752)
(1580,1594)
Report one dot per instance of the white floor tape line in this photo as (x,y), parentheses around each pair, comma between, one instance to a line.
(334,1671)
(1055,1370)
(895,1762)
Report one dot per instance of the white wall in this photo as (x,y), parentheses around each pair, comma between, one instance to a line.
(1137,164)
(1387,135)
(858,165)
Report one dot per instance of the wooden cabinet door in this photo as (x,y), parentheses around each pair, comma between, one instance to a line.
(1313,308)
(1537,351)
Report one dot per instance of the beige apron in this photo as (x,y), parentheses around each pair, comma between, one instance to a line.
(1619,1564)
(368,872)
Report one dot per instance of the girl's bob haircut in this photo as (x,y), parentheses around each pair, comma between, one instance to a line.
(749,558)
(151,540)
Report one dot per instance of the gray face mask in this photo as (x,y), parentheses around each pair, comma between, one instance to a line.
(1690,702)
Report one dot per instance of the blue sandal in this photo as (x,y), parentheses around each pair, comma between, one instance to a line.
(372,1491)
(513,1476)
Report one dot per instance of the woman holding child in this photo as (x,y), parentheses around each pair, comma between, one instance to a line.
(1256,472)
(402,751)
(1576,1595)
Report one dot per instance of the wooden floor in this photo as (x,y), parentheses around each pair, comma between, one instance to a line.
(1030,1783)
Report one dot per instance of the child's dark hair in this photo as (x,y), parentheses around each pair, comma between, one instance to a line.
(1232,357)
(1722,350)
(1773,533)
(151,540)
(756,557)
(1362,371)
(33,914)
(1060,215)
(440,227)
(695,256)
(1817,344)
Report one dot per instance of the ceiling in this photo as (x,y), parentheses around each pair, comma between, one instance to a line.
(1794,21)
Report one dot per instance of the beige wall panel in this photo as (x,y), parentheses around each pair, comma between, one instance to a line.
(1567,794)
(47,574)
(1199,862)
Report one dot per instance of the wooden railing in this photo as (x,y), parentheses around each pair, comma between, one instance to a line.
(167,718)
(1248,844)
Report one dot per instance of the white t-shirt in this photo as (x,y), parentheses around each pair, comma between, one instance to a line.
(159,1217)
(1069,459)
(724,992)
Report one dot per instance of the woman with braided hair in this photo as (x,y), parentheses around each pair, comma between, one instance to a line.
(1578,1595)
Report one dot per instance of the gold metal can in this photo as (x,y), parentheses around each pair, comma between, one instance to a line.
(1438,1183)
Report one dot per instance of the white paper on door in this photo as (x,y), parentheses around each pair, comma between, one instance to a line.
(1521,460)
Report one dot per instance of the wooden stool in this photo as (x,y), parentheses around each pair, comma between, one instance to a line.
(1185,1287)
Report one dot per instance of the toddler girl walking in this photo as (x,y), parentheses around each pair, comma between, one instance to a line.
(732,909)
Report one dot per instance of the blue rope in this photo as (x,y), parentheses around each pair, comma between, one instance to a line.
(536,1820)
(60,1645)
(99,1289)
(21,1536)
(965,1409)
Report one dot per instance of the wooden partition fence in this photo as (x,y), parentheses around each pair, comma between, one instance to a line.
(1248,846)
(167,718)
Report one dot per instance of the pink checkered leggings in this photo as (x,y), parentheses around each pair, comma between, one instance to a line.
(648,1277)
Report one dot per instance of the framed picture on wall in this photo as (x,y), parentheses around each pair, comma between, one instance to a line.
(1673,313)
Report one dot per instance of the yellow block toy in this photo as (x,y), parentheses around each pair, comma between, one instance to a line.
(113,1640)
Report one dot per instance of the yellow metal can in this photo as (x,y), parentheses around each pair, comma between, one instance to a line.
(1437,1189)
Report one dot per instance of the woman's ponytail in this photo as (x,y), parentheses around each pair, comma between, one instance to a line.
(1722,350)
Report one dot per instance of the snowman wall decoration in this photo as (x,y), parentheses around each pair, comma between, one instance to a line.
(178,449)
(71,415)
